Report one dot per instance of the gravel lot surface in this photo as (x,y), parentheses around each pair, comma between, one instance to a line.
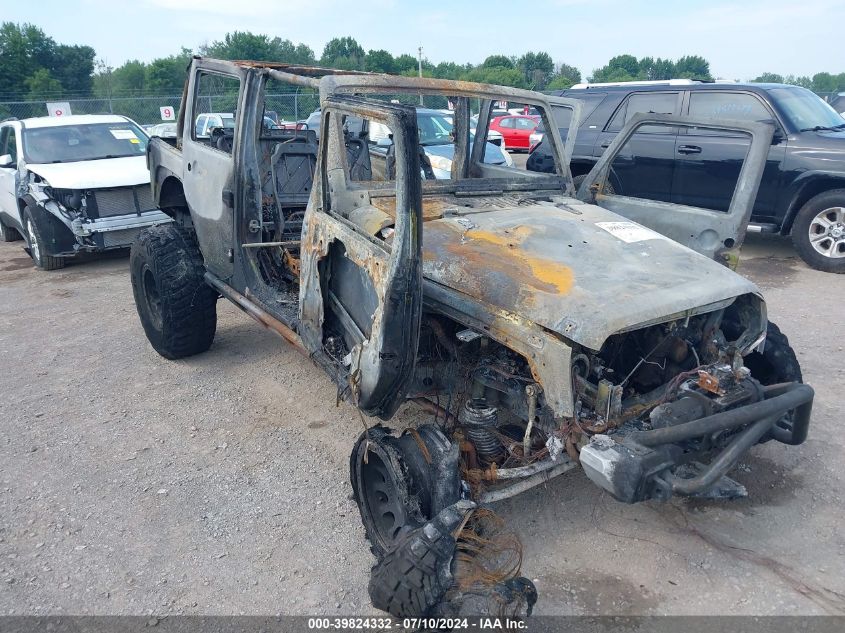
(219,484)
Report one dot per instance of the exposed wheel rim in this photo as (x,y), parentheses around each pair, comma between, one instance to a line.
(827,232)
(33,241)
(151,297)
(381,496)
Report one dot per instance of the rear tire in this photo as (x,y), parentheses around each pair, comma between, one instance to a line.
(178,310)
(37,245)
(819,232)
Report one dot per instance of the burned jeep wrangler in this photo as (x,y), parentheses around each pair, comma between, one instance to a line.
(540,328)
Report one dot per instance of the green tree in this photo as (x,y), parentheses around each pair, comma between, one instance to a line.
(656,69)
(769,78)
(693,67)
(827,82)
(379,61)
(166,75)
(24,49)
(619,68)
(803,81)
(42,86)
(498,61)
(130,79)
(405,62)
(537,68)
(565,77)
(73,67)
(450,70)
(343,52)
(497,75)
(260,47)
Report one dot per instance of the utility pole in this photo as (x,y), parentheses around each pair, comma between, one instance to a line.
(420,69)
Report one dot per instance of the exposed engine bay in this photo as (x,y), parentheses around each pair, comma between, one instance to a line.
(656,377)
(651,407)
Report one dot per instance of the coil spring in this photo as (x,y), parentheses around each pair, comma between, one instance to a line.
(479,420)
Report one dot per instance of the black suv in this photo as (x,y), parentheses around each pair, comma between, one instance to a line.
(803,188)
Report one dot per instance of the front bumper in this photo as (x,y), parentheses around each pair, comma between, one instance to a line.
(645,464)
(85,228)
(114,232)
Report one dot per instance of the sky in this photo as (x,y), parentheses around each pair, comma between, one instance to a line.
(741,39)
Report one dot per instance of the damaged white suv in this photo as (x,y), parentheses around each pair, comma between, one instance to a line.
(74,184)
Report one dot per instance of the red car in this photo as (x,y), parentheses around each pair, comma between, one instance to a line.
(515,129)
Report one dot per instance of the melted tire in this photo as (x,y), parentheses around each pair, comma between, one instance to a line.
(407,581)
(778,362)
(414,575)
(178,310)
(380,487)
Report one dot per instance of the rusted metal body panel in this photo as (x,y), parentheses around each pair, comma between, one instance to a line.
(384,84)
(557,265)
(382,352)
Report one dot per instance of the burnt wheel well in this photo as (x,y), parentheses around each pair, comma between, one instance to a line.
(171,200)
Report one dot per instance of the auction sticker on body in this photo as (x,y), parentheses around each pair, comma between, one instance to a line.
(630,231)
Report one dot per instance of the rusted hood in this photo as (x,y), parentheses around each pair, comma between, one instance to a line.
(576,269)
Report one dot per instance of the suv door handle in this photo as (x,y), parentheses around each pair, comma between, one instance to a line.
(689,149)
(605,144)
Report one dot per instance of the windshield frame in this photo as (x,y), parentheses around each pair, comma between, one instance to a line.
(469,154)
(27,133)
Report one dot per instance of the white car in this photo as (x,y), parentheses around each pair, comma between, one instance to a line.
(207,121)
(435,133)
(74,184)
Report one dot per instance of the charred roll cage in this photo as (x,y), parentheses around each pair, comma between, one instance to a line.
(636,357)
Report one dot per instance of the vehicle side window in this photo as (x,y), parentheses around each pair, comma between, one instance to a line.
(11,145)
(525,124)
(4,133)
(215,110)
(727,105)
(506,122)
(648,102)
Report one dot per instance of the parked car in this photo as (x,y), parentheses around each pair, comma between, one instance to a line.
(492,135)
(74,184)
(837,102)
(803,188)
(162,130)
(515,129)
(313,122)
(435,132)
(207,121)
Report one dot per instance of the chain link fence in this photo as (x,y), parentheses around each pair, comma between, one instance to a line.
(147,110)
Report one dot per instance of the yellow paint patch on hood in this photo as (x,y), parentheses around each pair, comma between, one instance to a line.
(554,274)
